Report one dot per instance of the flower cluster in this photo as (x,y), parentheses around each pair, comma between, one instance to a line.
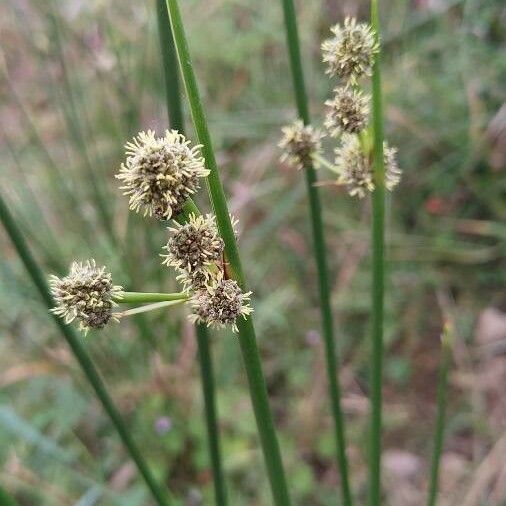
(87,294)
(350,53)
(159,176)
(348,112)
(220,304)
(161,173)
(355,168)
(300,143)
(195,250)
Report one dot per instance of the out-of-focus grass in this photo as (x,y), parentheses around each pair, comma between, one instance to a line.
(69,104)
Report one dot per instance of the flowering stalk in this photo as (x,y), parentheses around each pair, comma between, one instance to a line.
(442,391)
(146,297)
(160,496)
(175,110)
(331,354)
(378,274)
(247,338)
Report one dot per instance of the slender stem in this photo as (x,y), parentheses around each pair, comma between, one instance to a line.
(89,370)
(320,160)
(247,338)
(442,391)
(141,297)
(206,371)
(315,209)
(378,275)
(170,70)
(149,307)
(176,118)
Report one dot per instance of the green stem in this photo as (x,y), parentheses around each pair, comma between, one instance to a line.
(442,390)
(175,109)
(206,371)
(315,208)
(247,338)
(378,275)
(142,297)
(318,159)
(81,356)
(170,71)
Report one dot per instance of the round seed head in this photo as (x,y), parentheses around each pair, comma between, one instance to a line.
(299,143)
(348,112)
(161,173)
(349,54)
(220,304)
(356,170)
(194,245)
(86,294)
(198,280)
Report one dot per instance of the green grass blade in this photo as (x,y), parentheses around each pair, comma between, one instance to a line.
(378,275)
(247,338)
(6,499)
(315,210)
(81,355)
(442,391)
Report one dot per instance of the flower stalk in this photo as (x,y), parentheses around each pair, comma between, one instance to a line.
(247,338)
(160,496)
(147,297)
(378,272)
(331,355)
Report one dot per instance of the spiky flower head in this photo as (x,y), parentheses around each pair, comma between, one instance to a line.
(199,280)
(220,304)
(349,54)
(299,142)
(87,294)
(356,170)
(161,173)
(194,245)
(348,111)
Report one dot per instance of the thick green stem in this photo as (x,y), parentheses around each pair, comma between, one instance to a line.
(247,339)
(378,276)
(142,298)
(81,356)
(442,390)
(206,371)
(320,254)
(170,70)
(175,109)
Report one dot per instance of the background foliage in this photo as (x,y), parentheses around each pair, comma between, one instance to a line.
(79,78)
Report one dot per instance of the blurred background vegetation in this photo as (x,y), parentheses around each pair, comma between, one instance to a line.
(78,79)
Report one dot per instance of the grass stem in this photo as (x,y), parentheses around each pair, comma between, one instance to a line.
(315,208)
(142,298)
(247,338)
(89,370)
(378,275)
(442,391)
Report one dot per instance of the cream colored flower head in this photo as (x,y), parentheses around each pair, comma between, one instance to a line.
(220,304)
(161,173)
(348,112)
(356,170)
(299,143)
(194,245)
(350,53)
(87,294)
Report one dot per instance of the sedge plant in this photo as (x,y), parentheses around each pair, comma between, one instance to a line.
(315,211)
(176,118)
(365,166)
